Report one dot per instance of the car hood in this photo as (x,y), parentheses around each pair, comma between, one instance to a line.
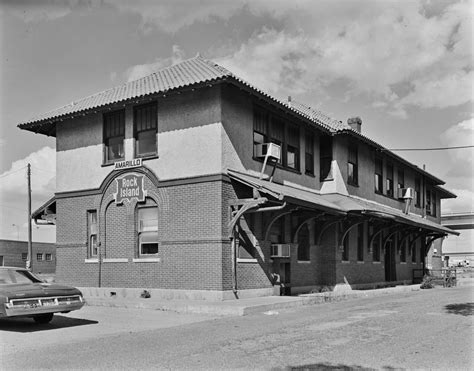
(28,290)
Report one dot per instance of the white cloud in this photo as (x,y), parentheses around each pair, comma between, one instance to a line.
(461,134)
(172,16)
(141,70)
(460,166)
(13,182)
(45,10)
(368,45)
(463,203)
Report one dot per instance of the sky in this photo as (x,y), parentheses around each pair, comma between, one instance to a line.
(404,67)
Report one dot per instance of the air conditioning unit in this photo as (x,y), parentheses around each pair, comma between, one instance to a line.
(406,193)
(280,251)
(268,149)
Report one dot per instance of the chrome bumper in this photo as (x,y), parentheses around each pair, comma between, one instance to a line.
(33,306)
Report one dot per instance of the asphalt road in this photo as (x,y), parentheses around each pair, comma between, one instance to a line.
(419,329)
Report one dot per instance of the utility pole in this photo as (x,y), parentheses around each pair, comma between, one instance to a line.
(29,262)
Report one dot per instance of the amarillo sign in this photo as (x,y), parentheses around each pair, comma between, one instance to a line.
(130,187)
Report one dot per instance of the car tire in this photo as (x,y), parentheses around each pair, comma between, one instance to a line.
(43,318)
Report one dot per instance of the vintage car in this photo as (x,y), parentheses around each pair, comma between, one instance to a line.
(22,294)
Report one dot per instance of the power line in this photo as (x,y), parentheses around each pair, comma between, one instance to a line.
(427,149)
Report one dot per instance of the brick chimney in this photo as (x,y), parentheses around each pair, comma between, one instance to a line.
(355,123)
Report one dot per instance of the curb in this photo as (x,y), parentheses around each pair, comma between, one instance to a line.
(244,307)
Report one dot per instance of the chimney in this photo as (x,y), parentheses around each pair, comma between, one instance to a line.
(289,100)
(355,123)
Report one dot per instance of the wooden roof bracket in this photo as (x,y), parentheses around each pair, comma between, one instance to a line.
(306,221)
(346,232)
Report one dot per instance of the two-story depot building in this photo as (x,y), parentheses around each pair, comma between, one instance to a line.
(191,182)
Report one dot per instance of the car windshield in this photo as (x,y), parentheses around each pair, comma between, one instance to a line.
(17,276)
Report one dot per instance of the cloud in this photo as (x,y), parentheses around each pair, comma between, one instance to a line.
(171,16)
(44,10)
(463,203)
(141,70)
(462,160)
(13,182)
(371,47)
(460,165)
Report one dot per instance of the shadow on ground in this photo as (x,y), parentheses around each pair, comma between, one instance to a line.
(464,309)
(28,325)
(329,366)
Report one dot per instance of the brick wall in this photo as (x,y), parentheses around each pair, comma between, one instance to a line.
(12,255)
(191,241)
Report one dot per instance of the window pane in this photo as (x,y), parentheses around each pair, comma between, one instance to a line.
(309,163)
(93,245)
(292,158)
(148,230)
(293,136)
(149,248)
(378,183)
(260,121)
(146,142)
(278,130)
(350,172)
(115,149)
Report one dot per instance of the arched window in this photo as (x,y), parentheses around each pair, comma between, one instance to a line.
(147,231)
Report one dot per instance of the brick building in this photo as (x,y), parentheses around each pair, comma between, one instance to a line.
(193,182)
(15,253)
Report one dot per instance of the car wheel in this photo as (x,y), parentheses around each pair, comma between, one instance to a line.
(43,318)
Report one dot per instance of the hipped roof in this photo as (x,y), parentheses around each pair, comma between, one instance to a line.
(196,72)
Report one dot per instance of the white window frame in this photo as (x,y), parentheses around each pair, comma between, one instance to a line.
(92,228)
(146,229)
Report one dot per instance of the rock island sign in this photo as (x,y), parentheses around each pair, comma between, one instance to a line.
(129,187)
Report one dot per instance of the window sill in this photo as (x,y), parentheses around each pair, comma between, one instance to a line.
(107,164)
(360,262)
(329,179)
(279,166)
(376,262)
(148,157)
(403,263)
(310,174)
(345,262)
(115,260)
(147,260)
(246,260)
(353,184)
(92,260)
(304,261)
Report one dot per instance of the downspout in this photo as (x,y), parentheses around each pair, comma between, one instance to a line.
(99,244)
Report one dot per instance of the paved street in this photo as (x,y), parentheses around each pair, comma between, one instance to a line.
(419,329)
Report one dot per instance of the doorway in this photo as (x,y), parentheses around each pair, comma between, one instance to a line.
(390,263)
